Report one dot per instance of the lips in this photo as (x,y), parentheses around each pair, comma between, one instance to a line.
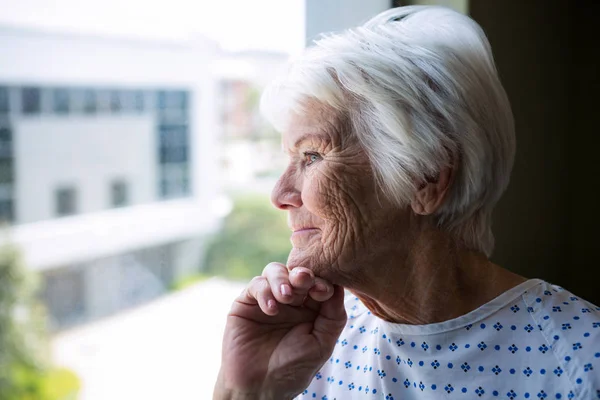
(302,236)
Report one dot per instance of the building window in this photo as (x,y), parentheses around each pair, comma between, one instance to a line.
(66,201)
(4,100)
(115,101)
(173,158)
(5,141)
(6,170)
(31,100)
(89,101)
(138,101)
(60,98)
(6,211)
(119,194)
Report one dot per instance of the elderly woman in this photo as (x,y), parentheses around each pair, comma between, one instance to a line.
(400,141)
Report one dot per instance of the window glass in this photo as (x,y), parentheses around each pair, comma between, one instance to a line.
(66,199)
(4,100)
(60,100)
(31,100)
(119,195)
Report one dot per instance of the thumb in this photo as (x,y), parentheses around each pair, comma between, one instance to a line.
(331,321)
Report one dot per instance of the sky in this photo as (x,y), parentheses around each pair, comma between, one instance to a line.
(272,25)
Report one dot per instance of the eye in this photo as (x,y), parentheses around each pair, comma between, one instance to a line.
(310,157)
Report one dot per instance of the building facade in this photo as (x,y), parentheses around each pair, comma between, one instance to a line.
(108,171)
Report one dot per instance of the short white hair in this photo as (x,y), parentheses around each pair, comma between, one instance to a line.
(419,87)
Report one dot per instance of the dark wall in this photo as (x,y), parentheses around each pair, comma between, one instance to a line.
(545,223)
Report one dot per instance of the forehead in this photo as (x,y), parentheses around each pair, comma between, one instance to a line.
(313,122)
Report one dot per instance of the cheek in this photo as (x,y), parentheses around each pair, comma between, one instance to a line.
(320,195)
(333,193)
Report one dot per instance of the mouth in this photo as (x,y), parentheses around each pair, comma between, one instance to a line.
(302,236)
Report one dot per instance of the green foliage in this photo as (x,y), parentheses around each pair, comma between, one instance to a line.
(188,281)
(253,235)
(24,368)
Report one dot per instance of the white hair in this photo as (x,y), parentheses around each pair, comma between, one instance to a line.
(419,87)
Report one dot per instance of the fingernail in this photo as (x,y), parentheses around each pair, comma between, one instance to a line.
(286,290)
(302,273)
(272,304)
(320,287)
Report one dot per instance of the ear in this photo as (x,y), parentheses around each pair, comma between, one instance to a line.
(432,192)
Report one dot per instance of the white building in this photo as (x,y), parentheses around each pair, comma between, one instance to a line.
(107,164)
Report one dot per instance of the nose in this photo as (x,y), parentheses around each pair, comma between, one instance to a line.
(285,194)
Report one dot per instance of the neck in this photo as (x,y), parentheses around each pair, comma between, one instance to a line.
(436,282)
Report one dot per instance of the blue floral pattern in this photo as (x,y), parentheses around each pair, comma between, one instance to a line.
(536,341)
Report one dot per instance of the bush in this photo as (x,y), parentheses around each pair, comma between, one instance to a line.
(253,235)
(24,366)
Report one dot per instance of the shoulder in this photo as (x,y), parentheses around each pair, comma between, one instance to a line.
(571,327)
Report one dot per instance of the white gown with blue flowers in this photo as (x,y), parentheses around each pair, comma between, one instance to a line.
(535,341)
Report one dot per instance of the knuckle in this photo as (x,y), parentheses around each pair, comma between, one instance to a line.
(272,268)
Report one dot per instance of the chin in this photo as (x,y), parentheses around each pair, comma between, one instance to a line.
(308,258)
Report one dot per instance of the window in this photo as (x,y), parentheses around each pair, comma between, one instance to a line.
(5,141)
(6,210)
(138,101)
(89,101)
(174,180)
(31,100)
(66,199)
(6,170)
(61,101)
(119,194)
(173,100)
(4,100)
(115,101)
(173,158)
(5,134)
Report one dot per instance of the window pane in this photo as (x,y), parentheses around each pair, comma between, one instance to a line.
(115,101)
(60,98)
(6,170)
(66,199)
(172,100)
(173,135)
(6,210)
(5,142)
(31,100)
(138,101)
(162,100)
(89,101)
(4,101)
(5,134)
(119,195)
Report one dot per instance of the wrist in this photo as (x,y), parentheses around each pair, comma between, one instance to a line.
(230,394)
(223,391)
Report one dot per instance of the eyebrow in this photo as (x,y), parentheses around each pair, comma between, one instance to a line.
(310,136)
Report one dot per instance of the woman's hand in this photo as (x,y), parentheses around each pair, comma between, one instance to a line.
(279,332)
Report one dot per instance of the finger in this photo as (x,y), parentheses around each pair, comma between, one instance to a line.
(331,321)
(301,279)
(321,291)
(259,292)
(277,275)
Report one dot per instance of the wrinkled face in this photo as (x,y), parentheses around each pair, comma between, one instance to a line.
(338,216)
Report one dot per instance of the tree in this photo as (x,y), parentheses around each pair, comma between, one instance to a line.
(253,235)
(25,371)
